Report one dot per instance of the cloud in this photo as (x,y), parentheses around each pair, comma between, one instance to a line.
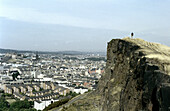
(147,19)
(35,16)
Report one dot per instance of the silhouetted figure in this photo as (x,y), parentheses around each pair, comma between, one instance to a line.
(132,35)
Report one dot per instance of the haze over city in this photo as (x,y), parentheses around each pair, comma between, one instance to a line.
(80,25)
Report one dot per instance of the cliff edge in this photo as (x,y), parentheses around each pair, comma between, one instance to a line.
(137,78)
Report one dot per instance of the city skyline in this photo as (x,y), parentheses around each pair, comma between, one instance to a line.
(85,25)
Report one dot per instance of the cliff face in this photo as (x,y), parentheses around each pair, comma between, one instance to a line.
(133,80)
(136,79)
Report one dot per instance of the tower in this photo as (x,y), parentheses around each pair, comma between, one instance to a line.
(37,56)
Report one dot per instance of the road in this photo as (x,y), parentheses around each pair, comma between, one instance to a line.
(70,102)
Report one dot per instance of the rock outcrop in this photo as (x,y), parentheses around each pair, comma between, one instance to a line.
(137,78)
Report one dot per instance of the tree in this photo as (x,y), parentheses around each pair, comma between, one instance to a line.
(21,104)
(15,75)
(3,103)
(16,106)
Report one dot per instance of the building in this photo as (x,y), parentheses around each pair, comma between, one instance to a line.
(8,89)
(80,90)
(40,105)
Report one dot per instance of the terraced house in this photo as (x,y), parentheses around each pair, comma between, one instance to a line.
(32,92)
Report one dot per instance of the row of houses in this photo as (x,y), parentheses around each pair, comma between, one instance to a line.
(21,88)
(31,92)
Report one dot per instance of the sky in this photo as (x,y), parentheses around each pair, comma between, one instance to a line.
(81,25)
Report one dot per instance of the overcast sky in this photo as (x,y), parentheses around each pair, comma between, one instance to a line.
(81,25)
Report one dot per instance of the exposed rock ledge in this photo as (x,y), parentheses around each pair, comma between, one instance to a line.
(136,79)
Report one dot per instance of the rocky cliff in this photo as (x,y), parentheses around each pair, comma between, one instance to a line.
(136,79)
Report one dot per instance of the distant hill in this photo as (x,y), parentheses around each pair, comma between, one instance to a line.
(13,51)
(50,52)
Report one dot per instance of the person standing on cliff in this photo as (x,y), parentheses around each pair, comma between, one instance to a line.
(132,35)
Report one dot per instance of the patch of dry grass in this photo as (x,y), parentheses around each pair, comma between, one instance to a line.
(154,51)
(11,100)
